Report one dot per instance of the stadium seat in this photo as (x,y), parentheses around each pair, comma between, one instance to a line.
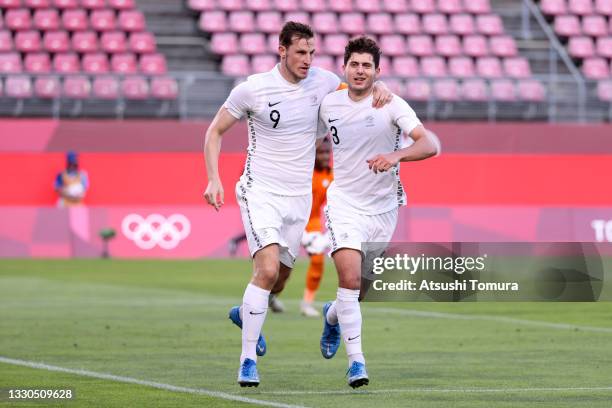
(475,46)
(567,26)
(135,88)
(581,47)
(46,19)
(263,63)
(10,63)
(395,6)
(131,20)
(113,41)
(27,41)
(478,6)
(105,87)
(252,43)
(269,21)
(489,24)
(313,6)
(433,67)
(604,90)
(325,23)
(503,46)
(241,21)
(395,85)
(122,4)
(213,21)
(153,64)
(6,41)
(517,67)
(164,88)
(435,24)
(224,43)
(423,6)
(75,20)
(286,5)
(102,20)
(66,63)
(18,19)
(124,63)
(420,45)
(56,41)
(503,90)
(408,24)
(489,67)
(474,90)
(384,64)
(334,44)
(531,90)
(341,6)
(95,63)
(202,5)
(65,4)
(85,41)
(461,24)
(325,62)
(461,67)
(446,90)
(595,68)
(258,5)
(93,4)
(37,62)
(47,87)
(76,87)
(450,6)
(230,5)
(235,65)
(142,43)
(273,43)
(404,66)
(298,17)
(448,45)
(595,26)
(392,45)
(580,7)
(418,90)
(18,87)
(379,23)
(352,23)
(367,6)
(37,4)
(603,7)
(604,47)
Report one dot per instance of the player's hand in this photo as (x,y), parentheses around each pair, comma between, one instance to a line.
(382,162)
(381,95)
(214,194)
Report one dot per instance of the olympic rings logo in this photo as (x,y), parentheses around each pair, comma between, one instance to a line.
(156,230)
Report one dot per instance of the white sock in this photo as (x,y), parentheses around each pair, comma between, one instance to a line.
(349,317)
(254,309)
(332,315)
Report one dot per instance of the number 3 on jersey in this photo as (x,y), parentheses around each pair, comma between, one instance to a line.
(334,133)
(275,117)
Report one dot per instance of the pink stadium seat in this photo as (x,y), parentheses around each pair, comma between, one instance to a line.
(341,6)
(333,44)
(408,24)
(420,45)
(65,4)
(241,21)
(10,4)
(503,90)
(553,7)
(202,5)
(213,21)
(56,41)
(405,67)
(392,45)
(253,43)
(66,63)
(122,4)
(418,90)
(37,62)
(286,5)
(395,6)
(581,47)
(18,87)
(142,43)
(379,23)
(314,6)
(595,68)
(76,87)
(395,85)
(567,26)
(47,87)
(474,90)
(489,67)
(1,21)
(595,26)
(263,63)
(352,23)
(298,17)
(325,62)
(462,24)
(235,65)
(490,24)
(37,4)
(113,41)
(581,7)
(27,41)
(517,67)
(478,6)
(423,6)
(46,19)
(105,87)
(93,4)
(131,20)
(18,19)
(75,20)
(384,65)
(448,45)
(224,43)
(6,41)
(461,67)
(604,47)
(325,23)
(95,63)
(269,21)
(102,20)
(603,7)
(446,90)
(153,64)
(230,5)
(503,46)
(531,90)
(339,62)
(123,63)
(435,24)
(475,46)
(367,6)
(450,6)
(433,67)
(258,5)
(604,90)
(85,41)
(165,88)
(273,43)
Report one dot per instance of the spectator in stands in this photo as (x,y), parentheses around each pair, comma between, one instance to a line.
(72,183)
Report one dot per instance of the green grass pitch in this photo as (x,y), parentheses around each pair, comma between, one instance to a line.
(166,322)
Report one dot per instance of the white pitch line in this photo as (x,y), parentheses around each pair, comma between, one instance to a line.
(434,390)
(152,384)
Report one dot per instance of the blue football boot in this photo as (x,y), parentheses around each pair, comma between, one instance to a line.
(330,339)
(234,316)
(247,374)
(357,375)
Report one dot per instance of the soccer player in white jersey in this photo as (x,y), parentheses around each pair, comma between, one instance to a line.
(274,192)
(363,199)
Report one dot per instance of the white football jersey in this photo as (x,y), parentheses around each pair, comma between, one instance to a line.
(282,125)
(360,132)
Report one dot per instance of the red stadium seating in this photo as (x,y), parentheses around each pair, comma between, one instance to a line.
(142,42)
(313,6)
(450,6)
(95,63)
(423,6)
(489,67)
(580,7)
(37,62)
(448,45)
(433,67)
(341,6)
(395,6)
(435,24)
(379,23)
(113,41)
(581,47)
(66,63)
(124,63)
(392,45)
(517,67)
(230,5)
(75,20)
(595,68)
(102,20)
(567,26)
(352,23)
(93,4)
(18,19)
(418,90)
(253,43)
(334,44)
(474,90)
(131,20)
(503,90)
(462,24)
(46,19)
(76,87)
(446,90)
(531,90)
(595,26)
(6,41)
(461,67)
(269,22)
(407,23)
(135,87)
(224,43)
(405,67)
(19,87)
(503,46)
(10,62)
(85,41)
(28,41)
(258,5)
(47,87)
(164,88)
(263,63)
(153,64)
(105,87)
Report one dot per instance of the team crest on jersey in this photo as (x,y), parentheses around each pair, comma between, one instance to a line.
(369,121)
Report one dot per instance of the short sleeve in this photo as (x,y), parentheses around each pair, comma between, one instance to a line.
(322,129)
(403,115)
(241,100)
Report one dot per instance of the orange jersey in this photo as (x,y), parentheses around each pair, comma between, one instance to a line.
(320,181)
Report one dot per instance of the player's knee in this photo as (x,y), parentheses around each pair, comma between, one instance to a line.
(350,282)
(267,274)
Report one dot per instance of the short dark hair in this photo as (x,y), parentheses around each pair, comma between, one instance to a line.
(294,29)
(363,45)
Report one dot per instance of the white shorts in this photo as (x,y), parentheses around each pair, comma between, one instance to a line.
(270,218)
(348,229)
